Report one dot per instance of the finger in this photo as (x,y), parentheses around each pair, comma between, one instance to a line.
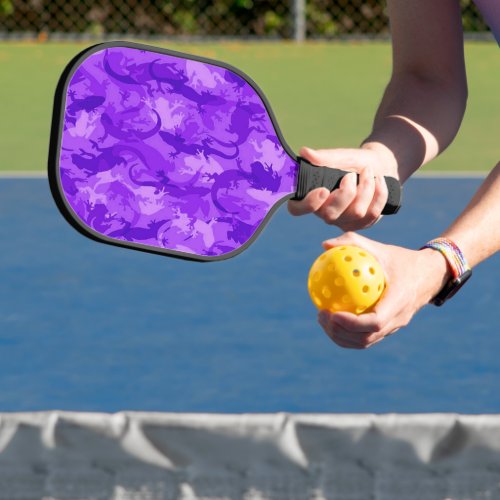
(324,319)
(372,343)
(378,250)
(384,319)
(348,238)
(365,191)
(375,339)
(391,311)
(366,209)
(380,196)
(346,338)
(356,340)
(341,340)
(313,156)
(362,340)
(362,324)
(393,332)
(338,201)
(338,334)
(352,341)
(344,344)
(311,203)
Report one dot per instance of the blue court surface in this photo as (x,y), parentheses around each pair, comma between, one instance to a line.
(92,327)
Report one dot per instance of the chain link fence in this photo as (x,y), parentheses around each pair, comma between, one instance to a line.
(203,18)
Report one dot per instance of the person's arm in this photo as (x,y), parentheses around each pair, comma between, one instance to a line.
(424,103)
(477,230)
(414,277)
(419,115)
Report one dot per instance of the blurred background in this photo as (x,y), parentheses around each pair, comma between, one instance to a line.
(344,60)
(283,19)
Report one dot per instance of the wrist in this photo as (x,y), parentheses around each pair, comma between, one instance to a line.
(457,265)
(386,156)
(437,272)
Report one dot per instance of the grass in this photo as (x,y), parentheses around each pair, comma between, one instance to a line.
(323,95)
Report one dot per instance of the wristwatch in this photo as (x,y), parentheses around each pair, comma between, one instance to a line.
(460,270)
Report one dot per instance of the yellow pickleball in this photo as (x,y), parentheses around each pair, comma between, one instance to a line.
(346,278)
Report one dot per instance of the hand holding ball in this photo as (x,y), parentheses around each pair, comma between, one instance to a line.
(346,278)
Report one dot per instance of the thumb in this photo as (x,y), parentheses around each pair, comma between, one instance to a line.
(323,157)
(340,157)
(312,155)
(349,238)
(377,249)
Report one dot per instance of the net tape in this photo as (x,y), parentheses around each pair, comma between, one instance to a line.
(159,456)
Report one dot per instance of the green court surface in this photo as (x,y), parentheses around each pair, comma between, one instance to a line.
(323,95)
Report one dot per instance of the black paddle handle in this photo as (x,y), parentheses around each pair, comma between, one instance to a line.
(312,177)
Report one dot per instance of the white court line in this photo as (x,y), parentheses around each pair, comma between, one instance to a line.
(454,174)
(23,174)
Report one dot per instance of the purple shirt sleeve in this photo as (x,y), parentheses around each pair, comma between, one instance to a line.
(490,9)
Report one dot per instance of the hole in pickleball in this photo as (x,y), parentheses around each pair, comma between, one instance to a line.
(356,273)
(317,276)
(348,258)
(327,293)
(379,288)
(330,268)
(366,289)
(359,310)
(346,299)
(362,254)
(372,270)
(339,281)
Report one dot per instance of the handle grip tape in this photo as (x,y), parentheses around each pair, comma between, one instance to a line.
(312,177)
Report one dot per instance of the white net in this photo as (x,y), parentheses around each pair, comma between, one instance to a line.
(160,456)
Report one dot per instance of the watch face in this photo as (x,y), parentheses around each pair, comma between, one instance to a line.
(451,288)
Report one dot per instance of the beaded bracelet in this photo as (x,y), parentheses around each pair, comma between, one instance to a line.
(452,254)
(460,269)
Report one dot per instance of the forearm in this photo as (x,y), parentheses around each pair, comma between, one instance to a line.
(477,230)
(416,120)
(424,103)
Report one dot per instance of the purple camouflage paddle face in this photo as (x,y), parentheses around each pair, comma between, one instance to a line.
(166,152)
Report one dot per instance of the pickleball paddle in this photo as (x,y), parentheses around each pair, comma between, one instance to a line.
(172,153)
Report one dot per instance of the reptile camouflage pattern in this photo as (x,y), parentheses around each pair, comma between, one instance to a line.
(169,153)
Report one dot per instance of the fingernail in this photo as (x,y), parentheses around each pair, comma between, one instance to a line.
(346,179)
(324,194)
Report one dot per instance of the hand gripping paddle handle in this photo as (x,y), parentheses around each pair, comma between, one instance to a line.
(312,177)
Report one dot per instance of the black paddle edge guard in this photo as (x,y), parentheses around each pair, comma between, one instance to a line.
(312,177)
(53,169)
